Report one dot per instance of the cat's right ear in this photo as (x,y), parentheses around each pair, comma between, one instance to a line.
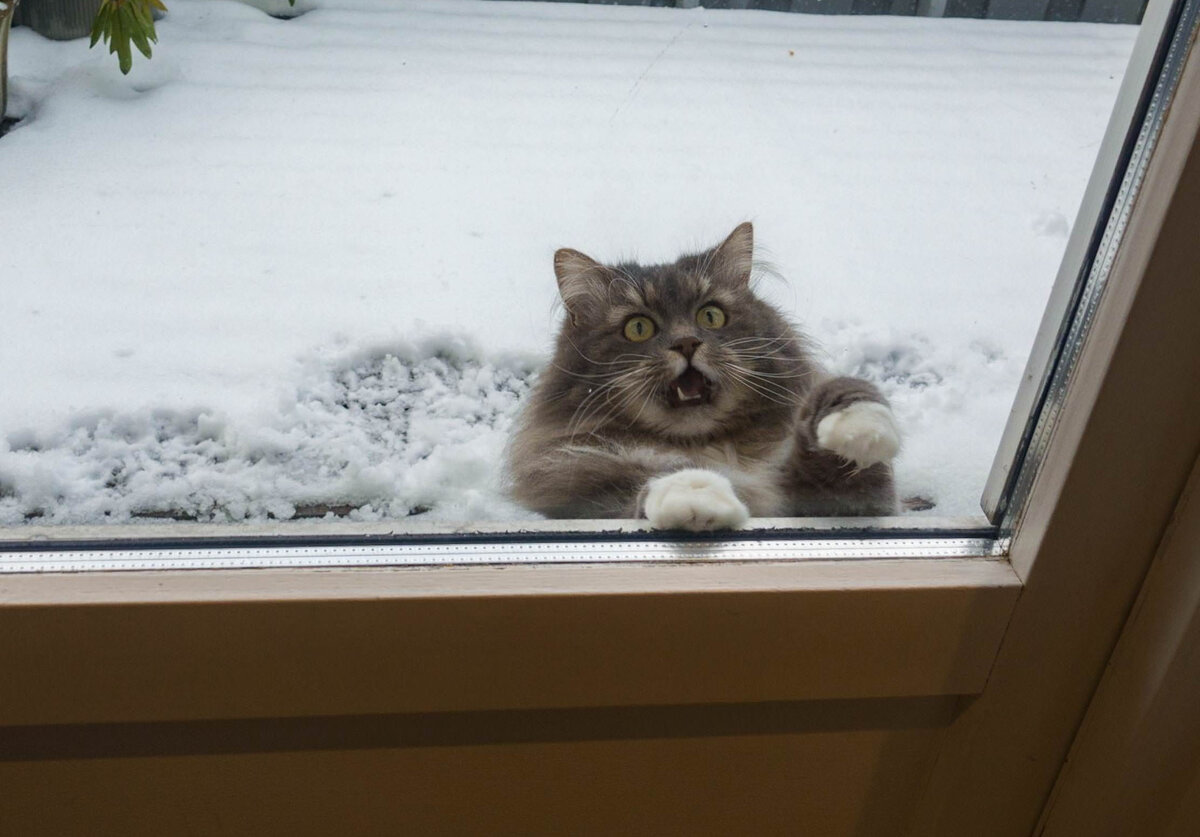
(582,281)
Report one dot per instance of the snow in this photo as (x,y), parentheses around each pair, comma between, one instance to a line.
(297,267)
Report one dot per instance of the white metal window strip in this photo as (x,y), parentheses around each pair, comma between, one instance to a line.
(484,552)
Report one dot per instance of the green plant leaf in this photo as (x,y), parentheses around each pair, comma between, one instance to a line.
(145,16)
(137,29)
(139,41)
(139,11)
(99,25)
(114,30)
(121,38)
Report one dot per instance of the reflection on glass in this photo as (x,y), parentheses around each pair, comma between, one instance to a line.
(304,268)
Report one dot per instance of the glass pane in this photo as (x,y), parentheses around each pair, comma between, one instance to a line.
(301,263)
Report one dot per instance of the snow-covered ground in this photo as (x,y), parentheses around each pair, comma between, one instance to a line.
(290,267)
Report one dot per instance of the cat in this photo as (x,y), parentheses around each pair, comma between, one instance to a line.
(676,394)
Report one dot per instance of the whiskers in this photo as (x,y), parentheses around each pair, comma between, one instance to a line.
(612,393)
(623,361)
(761,385)
(620,360)
(771,367)
(772,345)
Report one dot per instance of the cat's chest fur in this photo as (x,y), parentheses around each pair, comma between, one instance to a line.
(753,464)
(742,454)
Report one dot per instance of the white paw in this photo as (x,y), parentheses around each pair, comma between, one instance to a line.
(864,433)
(693,499)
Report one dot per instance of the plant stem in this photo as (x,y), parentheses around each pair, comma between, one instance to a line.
(6,15)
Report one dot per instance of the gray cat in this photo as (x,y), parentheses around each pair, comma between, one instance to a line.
(678,395)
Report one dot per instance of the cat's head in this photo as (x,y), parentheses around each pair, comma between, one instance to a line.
(684,350)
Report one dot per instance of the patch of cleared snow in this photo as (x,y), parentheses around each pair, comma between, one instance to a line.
(372,173)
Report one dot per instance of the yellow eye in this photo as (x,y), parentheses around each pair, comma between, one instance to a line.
(638,329)
(710,316)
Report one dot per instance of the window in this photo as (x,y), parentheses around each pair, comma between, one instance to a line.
(914,179)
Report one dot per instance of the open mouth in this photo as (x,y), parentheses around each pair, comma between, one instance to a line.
(691,389)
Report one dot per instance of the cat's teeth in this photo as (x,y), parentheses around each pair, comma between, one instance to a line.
(684,397)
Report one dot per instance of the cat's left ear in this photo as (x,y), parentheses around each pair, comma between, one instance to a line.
(734,258)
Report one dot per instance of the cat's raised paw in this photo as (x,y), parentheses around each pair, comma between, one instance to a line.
(693,499)
(865,433)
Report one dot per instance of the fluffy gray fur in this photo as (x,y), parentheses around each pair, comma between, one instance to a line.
(606,416)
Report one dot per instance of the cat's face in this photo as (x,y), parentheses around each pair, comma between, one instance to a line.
(683,350)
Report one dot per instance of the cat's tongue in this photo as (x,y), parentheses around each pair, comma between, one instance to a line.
(688,388)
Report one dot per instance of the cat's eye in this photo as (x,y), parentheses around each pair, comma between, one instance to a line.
(711,316)
(639,329)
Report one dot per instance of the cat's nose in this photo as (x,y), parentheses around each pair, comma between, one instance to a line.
(687,347)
